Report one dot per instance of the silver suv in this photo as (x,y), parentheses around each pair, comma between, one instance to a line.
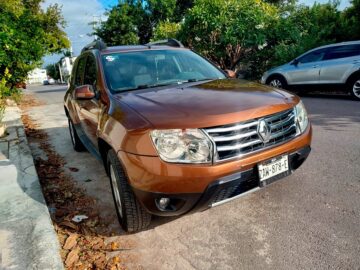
(331,65)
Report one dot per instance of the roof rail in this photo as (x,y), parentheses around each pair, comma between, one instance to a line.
(97,44)
(167,42)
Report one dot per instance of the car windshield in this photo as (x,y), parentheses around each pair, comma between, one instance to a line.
(152,68)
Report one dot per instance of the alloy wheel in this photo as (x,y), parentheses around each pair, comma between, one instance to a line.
(356,88)
(116,190)
(276,83)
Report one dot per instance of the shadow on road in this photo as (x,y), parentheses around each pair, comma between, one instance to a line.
(51,90)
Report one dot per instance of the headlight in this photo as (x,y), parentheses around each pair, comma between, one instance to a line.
(302,120)
(182,145)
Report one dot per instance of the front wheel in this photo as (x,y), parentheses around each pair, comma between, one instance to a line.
(355,88)
(277,82)
(132,215)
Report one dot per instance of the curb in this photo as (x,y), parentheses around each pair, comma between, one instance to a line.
(27,236)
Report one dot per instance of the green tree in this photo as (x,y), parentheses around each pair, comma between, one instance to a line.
(133,21)
(53,71)
(165,30)
(226,31)
(182,6)
(122,24)
(27,33)
(351,21)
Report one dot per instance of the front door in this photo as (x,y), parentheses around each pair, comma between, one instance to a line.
(88,110)
(307,68)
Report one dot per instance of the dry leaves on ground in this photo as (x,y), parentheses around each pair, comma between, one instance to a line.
(82,244)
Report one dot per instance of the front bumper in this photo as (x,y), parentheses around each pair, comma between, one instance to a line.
(217,192)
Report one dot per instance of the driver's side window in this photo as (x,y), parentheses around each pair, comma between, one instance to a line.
(80,72)
(313,56)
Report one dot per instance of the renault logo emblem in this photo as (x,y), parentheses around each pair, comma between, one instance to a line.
(264,131)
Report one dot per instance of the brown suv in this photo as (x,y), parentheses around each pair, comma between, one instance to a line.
(175,133)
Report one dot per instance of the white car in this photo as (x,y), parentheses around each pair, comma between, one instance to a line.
(331,65)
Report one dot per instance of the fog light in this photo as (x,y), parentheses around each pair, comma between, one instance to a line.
(163,203)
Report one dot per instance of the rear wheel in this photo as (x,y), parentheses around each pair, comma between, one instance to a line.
(132,215)
(77,144)
(355,88)
(277,82)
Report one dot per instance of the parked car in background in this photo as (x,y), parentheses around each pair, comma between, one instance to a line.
(49,81)
(175,133)
(334,66)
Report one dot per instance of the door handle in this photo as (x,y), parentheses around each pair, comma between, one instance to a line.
(315,66)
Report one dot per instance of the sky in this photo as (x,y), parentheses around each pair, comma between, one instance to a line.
(79,13)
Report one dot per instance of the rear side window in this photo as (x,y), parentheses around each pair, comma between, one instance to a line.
(313,56)
(90,71)
(80,71)
(343,51)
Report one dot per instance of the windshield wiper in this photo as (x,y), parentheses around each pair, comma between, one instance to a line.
(147,86)
(199,80)
(144,86)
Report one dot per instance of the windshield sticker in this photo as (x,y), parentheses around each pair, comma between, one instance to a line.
(110,58)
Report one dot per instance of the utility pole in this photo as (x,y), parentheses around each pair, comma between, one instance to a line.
(96,22)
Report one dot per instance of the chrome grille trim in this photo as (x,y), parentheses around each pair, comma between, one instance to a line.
(240,139)
(237,146)
(231,127)
(236,137)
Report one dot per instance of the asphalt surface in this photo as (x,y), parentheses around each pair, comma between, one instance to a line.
(310,220)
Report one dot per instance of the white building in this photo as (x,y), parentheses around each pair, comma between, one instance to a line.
(37,76)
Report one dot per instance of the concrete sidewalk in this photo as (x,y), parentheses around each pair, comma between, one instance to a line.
(27,236)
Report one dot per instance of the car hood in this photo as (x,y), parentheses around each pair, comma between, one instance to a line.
(197,105)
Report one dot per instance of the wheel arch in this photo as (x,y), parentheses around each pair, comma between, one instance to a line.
(274,75)
(104,148)
(354,75)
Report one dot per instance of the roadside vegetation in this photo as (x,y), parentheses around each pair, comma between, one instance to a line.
(248,36)
(27,33)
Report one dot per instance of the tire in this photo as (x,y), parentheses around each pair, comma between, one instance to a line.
(277,82)
(77,144)
(131,214)
(354,87)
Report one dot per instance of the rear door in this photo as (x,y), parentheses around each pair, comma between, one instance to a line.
(307,70)
(338,62)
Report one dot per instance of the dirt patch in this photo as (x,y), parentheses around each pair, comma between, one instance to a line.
(28,100)
(84,237)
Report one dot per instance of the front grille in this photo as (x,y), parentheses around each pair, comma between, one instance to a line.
(236,140)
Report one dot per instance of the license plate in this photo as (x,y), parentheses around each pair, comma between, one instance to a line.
(273,167)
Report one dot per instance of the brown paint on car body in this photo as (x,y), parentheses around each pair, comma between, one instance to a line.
(124,121)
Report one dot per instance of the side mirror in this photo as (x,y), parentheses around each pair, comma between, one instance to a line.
(84,92)
(295,62)
(230,73)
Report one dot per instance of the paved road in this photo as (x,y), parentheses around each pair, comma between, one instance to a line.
(310,220)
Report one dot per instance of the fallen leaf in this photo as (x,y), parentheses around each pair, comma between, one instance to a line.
(114,246)
(69,225)
(116,259)
(73,169)
(72,257)
(71,241)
